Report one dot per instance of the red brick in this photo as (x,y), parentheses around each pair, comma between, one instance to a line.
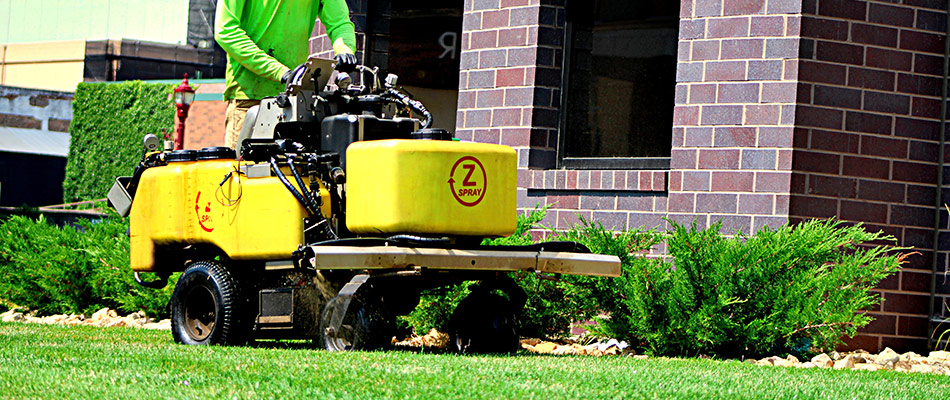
(837,97)
(490,98)
(702,93)
(810,71)
(683,159)
(775,136)
(915,172)
(495,19)
(839,53)
(833,186)
(863,211)
(483,40)
(725,71)
(882,324)
(734,137)
(708,8)
(765,70)
(762,114)
(881,191)
(698,137)
(755,203)
(821,28)
(696,181)
(924,107)
(58,125)
(512,37)
(716,203)
(888,59)
(847,9)
(759,159)
(791,70)
(816,162)
(813,207)
(510,77)
(727,27)
(905,303)
(866,167)
(516,137)
(742,49)
(862,342)
(738,93)
(924,151)
(659,180)
(891,15)
(874,35)
(917,84)
(767,26)
(732,181)
(705,50)
(683,115)
(20,121)
(818,117)
(778,92)
(868,122)
(871,79)
(772,182)
(718,159)
(886,102)
(920,41)
(782,48)
(682,202)
(913,326)
(506,117)
(884,147)
(912,216)
(721,115)
(743,7)
(676,180)
(784,6)
(692,29)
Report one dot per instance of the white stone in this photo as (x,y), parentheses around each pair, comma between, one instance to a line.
(823,361)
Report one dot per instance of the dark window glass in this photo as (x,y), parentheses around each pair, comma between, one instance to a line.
(620,76)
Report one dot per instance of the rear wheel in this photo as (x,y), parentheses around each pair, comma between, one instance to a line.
(205,306)
(484,322)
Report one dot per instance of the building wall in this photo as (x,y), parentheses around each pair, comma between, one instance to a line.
(62,20)
(48,66)
(866,141)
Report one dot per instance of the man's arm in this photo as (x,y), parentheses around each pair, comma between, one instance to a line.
(235,41)
(335,16)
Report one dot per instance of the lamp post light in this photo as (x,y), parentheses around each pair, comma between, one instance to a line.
(184,95)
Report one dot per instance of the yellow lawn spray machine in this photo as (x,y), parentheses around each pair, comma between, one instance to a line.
(340,208)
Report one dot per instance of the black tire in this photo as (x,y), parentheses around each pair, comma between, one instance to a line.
(484,323)
(205,307)
(363,327)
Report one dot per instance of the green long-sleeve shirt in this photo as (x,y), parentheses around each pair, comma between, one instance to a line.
(265,38)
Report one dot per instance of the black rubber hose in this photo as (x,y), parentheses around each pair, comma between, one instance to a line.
(307,194)
(290,187)
(416,106)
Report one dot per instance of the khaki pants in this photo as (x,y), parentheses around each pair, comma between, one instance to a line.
(234,120)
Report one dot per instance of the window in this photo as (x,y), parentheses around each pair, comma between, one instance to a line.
(618,82)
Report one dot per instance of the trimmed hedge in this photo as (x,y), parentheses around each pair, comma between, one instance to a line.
(109,122)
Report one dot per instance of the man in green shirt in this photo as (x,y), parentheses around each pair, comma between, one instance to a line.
(265,40)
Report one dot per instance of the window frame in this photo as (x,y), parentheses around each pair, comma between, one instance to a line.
(593,163)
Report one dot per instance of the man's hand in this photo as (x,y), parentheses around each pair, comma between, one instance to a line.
(285,79)
(345,62)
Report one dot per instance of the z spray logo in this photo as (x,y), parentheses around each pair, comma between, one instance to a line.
(468,181)
(203,212)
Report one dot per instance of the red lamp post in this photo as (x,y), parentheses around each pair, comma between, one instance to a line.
(184,95)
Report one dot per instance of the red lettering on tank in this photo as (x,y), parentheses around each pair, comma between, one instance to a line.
(474,182)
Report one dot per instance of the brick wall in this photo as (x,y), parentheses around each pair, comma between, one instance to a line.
(205,124)
(509,93)
(734,114)
(866,140)
(320,45)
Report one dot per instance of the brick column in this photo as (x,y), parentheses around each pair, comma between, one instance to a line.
(320,45)
(735,112)
(509,78)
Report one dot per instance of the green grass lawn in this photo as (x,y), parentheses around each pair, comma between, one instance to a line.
(53,362)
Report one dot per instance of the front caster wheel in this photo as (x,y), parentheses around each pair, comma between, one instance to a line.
(204,307)
(363,328)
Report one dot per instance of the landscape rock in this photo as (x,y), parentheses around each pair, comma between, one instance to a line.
(807,364)
(886,356)
(939,356)
(846,362)
(546,347)
(867,367)
(823,361)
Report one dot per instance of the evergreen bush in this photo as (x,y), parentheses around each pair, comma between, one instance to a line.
(109,122)
(53,270)
(777,291)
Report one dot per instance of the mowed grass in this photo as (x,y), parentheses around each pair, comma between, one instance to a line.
(53,362)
